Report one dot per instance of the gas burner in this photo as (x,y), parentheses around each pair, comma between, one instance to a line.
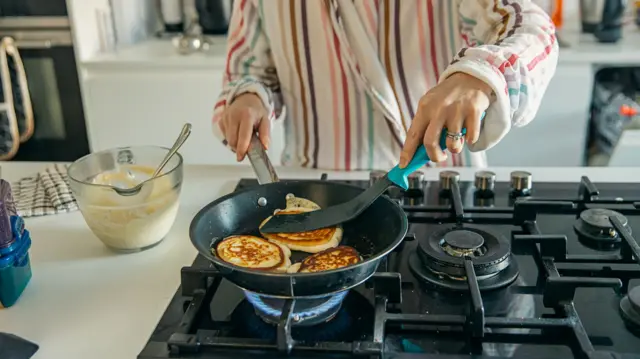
(596,231)
(349,323)
(306,311)
(439,260)
(463,243)
(630,310)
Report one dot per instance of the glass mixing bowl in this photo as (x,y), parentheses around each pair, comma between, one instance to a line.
(127,223)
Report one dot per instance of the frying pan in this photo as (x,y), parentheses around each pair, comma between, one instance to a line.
(374,234)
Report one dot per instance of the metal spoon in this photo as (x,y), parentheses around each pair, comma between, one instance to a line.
(184,134)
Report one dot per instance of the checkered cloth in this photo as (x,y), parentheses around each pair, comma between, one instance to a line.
(44,193)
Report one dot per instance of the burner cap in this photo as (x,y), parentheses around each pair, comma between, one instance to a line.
(598,218)
(596,231)
(438,281)
(463,243)
(443,251)
(630,310)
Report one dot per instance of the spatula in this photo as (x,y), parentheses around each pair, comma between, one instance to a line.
(344,212)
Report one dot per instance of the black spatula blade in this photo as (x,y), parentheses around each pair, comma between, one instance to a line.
(334,215)
(328,217)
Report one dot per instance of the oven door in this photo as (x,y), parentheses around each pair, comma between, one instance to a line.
(60,132)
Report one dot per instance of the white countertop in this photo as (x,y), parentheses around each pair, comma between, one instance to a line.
(160,53)
(85,301)
(585,48)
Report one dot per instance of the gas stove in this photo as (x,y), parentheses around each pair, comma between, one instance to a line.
(489,269)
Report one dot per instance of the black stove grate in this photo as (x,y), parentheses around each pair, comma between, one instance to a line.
(560,274)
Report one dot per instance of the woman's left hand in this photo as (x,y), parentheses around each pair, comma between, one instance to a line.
(456,103)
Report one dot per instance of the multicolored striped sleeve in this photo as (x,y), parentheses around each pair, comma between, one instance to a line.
(511,45)
(249,66)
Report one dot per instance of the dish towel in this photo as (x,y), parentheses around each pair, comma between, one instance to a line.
(45,193)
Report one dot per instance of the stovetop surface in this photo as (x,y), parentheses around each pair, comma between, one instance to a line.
(450,335)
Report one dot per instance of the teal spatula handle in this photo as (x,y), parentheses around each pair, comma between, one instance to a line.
(399,176)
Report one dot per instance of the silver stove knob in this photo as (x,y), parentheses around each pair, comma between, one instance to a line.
(485,180)
(374,176)
(521,181)
(447,178)
(415,180)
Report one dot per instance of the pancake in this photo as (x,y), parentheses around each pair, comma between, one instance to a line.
(298,202)
(311,241)
(332,258)
(254,252)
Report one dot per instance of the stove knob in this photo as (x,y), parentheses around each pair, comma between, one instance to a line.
(521,182)
(415,180)
(447,178)
(374,176)
(485,181)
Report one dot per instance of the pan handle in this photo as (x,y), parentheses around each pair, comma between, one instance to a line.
(260,162)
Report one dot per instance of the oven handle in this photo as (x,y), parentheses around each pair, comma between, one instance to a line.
(40,39)
(32,44)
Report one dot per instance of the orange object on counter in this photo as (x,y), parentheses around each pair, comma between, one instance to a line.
(556,13)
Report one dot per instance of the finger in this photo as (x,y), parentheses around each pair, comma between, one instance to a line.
(264,132)
(245,131)
(231,127)
(432,140)
(454,126)
(414,137)
(223,127)
(473,124)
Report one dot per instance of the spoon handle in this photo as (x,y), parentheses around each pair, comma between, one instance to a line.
(184,134)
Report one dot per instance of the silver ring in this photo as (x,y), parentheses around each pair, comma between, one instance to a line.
(455,136)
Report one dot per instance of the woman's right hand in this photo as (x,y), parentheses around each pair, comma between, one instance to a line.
(244,116)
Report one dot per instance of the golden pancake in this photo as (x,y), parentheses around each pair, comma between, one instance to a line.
(311,241)
(332,258)
(298,202)
(254,252)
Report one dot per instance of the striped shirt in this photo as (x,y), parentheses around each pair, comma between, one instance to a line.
(350,73)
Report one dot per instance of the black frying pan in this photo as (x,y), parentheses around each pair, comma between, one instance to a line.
(374,234)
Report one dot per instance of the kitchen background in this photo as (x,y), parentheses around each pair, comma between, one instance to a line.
(139,78)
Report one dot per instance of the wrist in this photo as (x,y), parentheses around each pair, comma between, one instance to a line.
(249,99)
(257,94)
(474,82)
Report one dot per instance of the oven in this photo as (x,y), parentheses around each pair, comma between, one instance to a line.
(42,32)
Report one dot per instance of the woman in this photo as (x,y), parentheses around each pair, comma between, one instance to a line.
(365,82)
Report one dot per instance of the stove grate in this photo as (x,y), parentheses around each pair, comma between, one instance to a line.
(560,273)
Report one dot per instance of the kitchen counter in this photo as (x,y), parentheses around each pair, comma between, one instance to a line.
(160,53)
(85,301)
(151,78)
(585,48)
(154,53)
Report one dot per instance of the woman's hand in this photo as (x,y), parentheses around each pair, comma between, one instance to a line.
(456,103)
(244,116)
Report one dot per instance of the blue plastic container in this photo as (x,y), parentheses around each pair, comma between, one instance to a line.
(15,266)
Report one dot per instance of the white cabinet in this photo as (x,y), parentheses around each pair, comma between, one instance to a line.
(557,136)
(128,108)
(143,94)
(137,106)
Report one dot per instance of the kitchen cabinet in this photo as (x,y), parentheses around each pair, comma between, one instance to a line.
(138,106)
(148,107)
(557,135)
(143,93)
